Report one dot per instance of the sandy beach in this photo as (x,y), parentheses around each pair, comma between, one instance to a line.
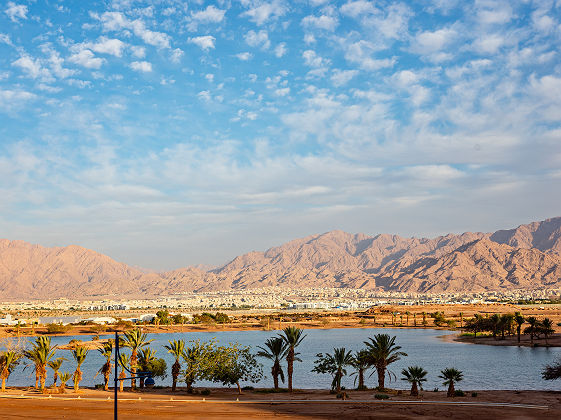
(319,404)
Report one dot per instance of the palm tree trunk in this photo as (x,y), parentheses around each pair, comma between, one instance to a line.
(414,389)
(518,333)
(451,389)
(3,384)
(106,379)
(381,377)
(290,367)
(121,381)
(239,388)
(361,379)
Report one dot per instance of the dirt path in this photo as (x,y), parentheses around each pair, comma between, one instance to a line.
(222,404)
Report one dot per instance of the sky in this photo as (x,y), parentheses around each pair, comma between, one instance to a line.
(168,133)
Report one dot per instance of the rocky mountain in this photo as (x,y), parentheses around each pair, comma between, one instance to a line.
(523,258)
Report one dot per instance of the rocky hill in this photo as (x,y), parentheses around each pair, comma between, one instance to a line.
(526,257)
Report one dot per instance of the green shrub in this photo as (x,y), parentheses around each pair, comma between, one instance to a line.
(382,397)
(474,394)
(205,392)
(248,388)
(57,328)
(459,393)
(435,390)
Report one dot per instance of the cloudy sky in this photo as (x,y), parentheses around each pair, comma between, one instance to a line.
(166,133)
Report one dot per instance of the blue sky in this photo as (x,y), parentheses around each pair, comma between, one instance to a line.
(168,133)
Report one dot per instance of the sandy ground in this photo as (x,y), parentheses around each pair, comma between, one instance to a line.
(222,404)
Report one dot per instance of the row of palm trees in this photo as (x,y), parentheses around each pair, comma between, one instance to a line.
(380,351)
(501,324)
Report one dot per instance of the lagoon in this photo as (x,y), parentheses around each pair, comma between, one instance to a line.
(484,367)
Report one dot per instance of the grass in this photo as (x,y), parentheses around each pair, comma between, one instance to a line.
(468,334)
(271,390)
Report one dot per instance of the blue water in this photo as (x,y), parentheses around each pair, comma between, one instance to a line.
(484,367)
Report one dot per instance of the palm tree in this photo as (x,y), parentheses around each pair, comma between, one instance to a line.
(361,363)
(341,359)
(547,328)
(175,348)
(415,375)
(79,353)
(40,355)
(450,376)
(275,350)
(8,362)
(146,356)
(123,362)
(519,319)
(292,338)
(533,321)
(64,377)
(135,339)
(55,366)
(106,351)
(382,352)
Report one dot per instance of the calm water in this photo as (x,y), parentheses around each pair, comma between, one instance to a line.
(484,367)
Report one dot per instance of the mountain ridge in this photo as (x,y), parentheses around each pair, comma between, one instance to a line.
(528,256)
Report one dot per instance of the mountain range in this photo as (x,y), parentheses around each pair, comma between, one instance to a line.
(526,257)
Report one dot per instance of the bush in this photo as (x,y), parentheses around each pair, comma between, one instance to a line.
(474,394)
(435,390)
(205,392)
(248,388)
(459,393)
(382,397)
(57,328)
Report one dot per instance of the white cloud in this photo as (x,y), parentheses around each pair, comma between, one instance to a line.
(138,52)
(258,39)
(282,91)
(361,52)
(33,68)
(357,8)
(204,95)
(342,77)
(176,55)
(328,23)
(142,66)
(209,15)
(429,42)
(16,11)
(244,56)
(205,42)
(108,46)
(498,13)
(86,58)
(116,21)
(311,59)
(13,99)
(260,12)
(280,50)
(5,39)
(488,44)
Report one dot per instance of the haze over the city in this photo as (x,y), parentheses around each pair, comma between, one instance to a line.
(166,133)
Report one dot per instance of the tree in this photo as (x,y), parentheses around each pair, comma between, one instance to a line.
(198,358)
(55,366)
(148,363)
(64,378)
(546,327)
(532,329)
(451,376)
(382,352)
(8,362)
(233,364)
(551,372)
(79,353)
(494,321)
(415,375)
(361,363)
(123,362)
(175,347)
(293,338)
(40,355)
(505,324)
(135,340)
(335,365)
(106,351)
(519,319)
(275,349)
